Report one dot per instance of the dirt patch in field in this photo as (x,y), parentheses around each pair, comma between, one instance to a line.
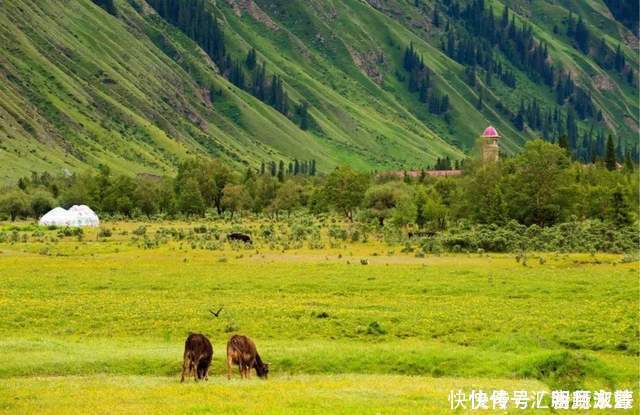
(367,63)
(632,123)
(603,82)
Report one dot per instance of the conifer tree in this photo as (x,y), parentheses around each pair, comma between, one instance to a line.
(251,59)
(281,171)
(628,162)
(108,6)
(563,142)
(610,156)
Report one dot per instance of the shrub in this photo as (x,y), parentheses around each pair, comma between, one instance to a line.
(140,230)
(104,233)
(566,370)
(376,328)
(231,327)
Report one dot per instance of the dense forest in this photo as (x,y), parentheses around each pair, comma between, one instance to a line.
(541,186)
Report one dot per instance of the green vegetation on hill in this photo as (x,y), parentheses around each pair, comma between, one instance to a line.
(141,85)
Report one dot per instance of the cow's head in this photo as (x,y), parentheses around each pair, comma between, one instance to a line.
(262,370)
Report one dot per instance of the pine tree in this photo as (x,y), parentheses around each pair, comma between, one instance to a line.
(436,17)
(628,162)
(423,92)
(619,150)
(251,59)
(563,142)
(572,129)
(259,83)
(281,171)
(593,152)
(618,60)
(108,6)
(518,121)
(504,20)
(303,112)
(582,36)
(610,156)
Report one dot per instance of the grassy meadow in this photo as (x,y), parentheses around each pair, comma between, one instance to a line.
(96,324)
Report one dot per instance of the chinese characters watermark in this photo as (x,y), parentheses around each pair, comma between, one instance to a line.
(499,399)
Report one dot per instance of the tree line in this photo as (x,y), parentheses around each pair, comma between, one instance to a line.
(540,186)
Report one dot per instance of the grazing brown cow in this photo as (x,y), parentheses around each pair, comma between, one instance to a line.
(240,237)
(198,353)
(242,351)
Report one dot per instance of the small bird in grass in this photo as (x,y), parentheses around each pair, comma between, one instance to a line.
(217,313)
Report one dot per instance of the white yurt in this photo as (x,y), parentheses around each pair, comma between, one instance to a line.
(77,215)
(84,216)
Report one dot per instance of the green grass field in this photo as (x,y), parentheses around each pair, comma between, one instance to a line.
(98,326)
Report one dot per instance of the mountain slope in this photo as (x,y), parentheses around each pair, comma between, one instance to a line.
(81,87)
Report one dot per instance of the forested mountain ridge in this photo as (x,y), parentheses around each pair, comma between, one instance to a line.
(379,84)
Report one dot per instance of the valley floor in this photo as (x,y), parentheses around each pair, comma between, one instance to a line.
(98,326)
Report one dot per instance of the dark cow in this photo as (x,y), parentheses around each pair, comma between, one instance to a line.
(198,353)
(242,351)
(420,234)
(241,237)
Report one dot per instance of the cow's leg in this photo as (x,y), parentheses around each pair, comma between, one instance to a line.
(229,364)
(249,367)
(195,369)
(185,364)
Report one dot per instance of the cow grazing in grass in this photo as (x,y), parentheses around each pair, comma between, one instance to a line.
(240,237)
(198,353)
(242,351)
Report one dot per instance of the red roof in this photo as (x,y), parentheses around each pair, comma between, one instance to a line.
(417,173)
(490,132)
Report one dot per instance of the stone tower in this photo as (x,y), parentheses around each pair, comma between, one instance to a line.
(490,149)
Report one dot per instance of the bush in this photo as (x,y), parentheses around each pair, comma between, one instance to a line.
(231,327)
(566,370)
(336,232)
(104,233)
(140,230)
(68,231)
(376,328)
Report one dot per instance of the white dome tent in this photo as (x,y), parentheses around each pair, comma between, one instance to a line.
(77,215)
(84,216)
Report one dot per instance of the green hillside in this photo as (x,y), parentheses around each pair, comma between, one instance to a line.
(140,87)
